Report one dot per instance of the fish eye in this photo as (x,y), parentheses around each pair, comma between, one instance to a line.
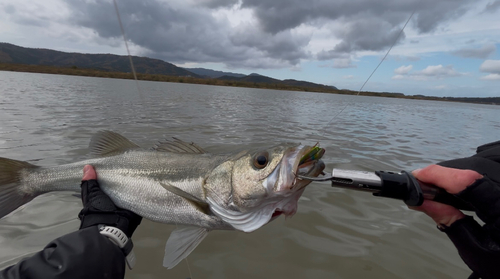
(260,160)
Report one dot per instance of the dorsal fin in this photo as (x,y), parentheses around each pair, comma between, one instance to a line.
(198,203)
(178,146)
(108,143)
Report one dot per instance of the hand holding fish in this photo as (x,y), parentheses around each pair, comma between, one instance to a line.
(98,209)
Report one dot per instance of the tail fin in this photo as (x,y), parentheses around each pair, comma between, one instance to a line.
(11,196)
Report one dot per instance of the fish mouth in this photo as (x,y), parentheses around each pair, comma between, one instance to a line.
(276,214)
(300,160)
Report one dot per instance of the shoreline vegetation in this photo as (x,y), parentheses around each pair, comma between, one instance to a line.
(77,71)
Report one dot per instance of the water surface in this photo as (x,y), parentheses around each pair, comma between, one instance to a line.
(49,119)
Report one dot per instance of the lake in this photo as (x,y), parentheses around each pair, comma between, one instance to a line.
(336,233)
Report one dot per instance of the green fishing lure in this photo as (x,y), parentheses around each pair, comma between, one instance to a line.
(315,153)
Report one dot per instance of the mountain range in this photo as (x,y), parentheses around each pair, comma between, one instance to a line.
(13,54)
(213,73)
(10,53)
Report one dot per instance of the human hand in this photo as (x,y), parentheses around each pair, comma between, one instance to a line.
(453,181)
(475,180)
(99,209)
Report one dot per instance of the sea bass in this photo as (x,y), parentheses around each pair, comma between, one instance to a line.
(176,182)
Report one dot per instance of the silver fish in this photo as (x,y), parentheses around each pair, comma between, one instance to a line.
(177,183)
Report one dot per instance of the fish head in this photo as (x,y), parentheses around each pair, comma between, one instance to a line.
(264,184)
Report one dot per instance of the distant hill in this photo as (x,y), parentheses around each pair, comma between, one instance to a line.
(212,73)
(484,100)
(294,82)
(10,53)
(252,78)
(13,54)
(263,79)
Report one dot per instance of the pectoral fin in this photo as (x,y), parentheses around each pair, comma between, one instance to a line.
(181,243)
(200,204)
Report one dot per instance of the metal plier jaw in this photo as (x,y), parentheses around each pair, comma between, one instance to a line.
(397,185)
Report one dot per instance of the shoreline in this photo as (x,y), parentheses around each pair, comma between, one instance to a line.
(75,71)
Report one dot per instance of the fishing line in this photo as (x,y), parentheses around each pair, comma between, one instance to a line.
(374,70)
(128,51)
(141,96)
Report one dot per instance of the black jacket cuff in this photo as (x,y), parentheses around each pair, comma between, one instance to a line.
(476,247)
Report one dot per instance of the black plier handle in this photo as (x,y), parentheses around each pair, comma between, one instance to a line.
(403,186)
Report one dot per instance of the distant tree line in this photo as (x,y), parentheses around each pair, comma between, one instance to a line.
(74,70)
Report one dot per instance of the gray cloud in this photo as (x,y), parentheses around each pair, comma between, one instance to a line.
(367,25)
(490,66)
(331,54)
(361,34)
(186,34)
(482,52)
(156,26)
(282,46)
(491,77)
(366,34)
(342,63)
(214,4)
(278,15)
(492,7)
(25,15)
(403,70)
(439,71)
(9,9)
(403,57)
(430,72)
(178,33)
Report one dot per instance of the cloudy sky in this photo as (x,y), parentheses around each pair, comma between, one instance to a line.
(449,47)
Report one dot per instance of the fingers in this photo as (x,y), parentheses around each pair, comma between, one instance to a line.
(89,173)
(452,180)
(440,213)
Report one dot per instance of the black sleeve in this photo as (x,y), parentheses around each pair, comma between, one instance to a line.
(479,246)
(81,254)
